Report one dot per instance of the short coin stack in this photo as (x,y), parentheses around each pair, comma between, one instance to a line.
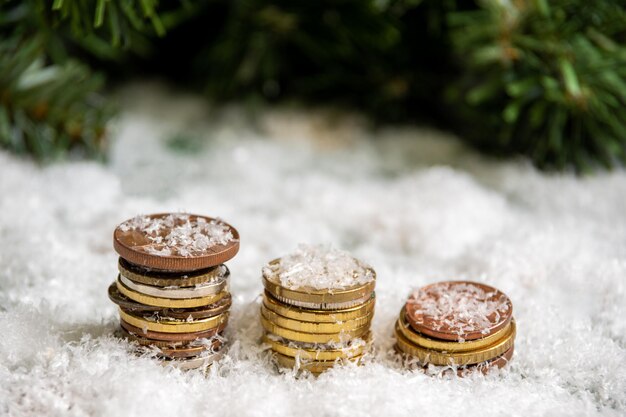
(460,324)
(172,287)
(317,308)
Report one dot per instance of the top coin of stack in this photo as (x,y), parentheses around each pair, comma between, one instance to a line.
(317,308)
(172,287)
(457,323)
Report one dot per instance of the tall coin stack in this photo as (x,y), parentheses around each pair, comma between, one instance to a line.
(317,308)
(172,287)
(460,324)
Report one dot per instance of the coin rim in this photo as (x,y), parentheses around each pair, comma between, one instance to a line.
(168,302)
(174,326)
(161,344)
(174,293)
(326,306)
(444,345)
(193,363)
(132,305)
(190,351)
(315,327)
(317,354)
(465,370)
(312,337)
(458,358)
(178,263)
(157,279)
(317,315)
(173,337)
(315,367)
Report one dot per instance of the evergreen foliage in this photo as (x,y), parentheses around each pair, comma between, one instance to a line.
(545,79)
(47,109)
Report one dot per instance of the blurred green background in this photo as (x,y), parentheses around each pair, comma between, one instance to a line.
(538,78)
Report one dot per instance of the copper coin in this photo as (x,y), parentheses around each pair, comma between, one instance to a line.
(144,341)
(177,313)
(458,310)
(176,241)
(187,350)
(173,337)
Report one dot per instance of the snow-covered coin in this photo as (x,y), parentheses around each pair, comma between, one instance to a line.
(458,310)
(176,241)
(319,277)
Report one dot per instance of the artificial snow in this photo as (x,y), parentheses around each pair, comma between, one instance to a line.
(319,267)
(413,203)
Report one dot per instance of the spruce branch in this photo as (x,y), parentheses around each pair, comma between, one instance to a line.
(47,109)
(544,79)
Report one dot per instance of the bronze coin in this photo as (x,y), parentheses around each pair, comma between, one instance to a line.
(173,337)
(177,313)
(176,241)
(185,350)
(458,310)
(144,341)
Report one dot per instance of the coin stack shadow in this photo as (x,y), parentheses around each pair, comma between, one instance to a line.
(180,315)
(459,324)
(311,329)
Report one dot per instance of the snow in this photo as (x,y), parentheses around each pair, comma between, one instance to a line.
(319,267)
(413,203)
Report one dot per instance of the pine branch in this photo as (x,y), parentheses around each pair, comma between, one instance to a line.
(48,110)
(544,79)
(49,100)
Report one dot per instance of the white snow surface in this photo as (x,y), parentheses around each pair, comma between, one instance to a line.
(413,203)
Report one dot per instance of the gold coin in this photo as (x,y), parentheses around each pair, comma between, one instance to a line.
(321,354)
(312,327)
(457,358)
(315,367)
(312,337)
(168,302)
(326,306)
(174,326)
(444,345)
(311,297)
(317,316)
(169,279)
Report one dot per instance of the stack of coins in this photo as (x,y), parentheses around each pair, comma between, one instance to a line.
(464,325)
(317,308)
(172,287)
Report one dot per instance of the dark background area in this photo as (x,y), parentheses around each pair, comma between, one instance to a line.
(546,80)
